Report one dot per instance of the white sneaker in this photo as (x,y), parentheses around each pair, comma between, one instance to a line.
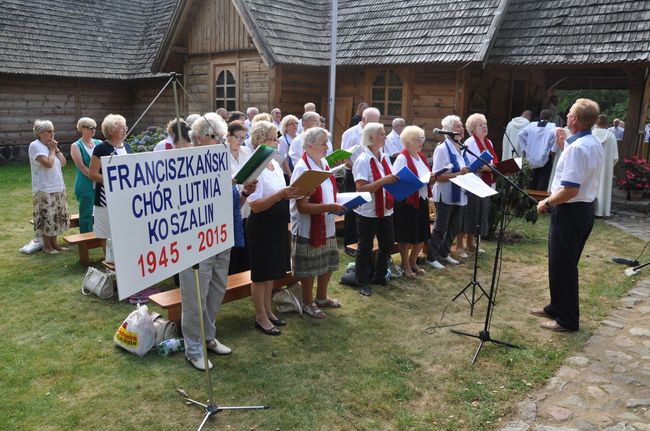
(435,264)
(462,255)
(451,260)
(218,348)
(199,363)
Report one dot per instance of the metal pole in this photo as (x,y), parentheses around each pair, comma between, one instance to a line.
(332,84)
(178,114)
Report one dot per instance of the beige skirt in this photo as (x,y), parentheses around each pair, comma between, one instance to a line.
(51,213)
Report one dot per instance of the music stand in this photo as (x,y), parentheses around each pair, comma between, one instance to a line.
(474,185)
(484,335)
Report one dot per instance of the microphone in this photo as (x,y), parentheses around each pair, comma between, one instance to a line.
(438,132)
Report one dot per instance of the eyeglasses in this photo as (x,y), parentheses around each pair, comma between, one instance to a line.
(239,138)
(90,127)
(421,139)
(292,124)
(216,138)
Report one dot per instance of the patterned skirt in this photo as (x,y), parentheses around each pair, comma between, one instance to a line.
(51,213)
(308,261)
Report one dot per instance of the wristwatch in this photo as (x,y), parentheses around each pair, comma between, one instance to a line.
(547,204)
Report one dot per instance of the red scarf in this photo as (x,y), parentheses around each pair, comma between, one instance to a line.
(487,177)
(379,194)
(414,199)
(317,231)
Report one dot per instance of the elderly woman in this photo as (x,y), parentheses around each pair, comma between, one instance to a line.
(239,154)
(213,271)
(448,197)
(476,125)
(173,140)
(48,189)
(372,170)
(81,152)
(266,231)
(412,214)
(313,244)
(289,131)
(114,130)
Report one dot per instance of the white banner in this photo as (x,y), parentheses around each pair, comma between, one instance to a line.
(168,210)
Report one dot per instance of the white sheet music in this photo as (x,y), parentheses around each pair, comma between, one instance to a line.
(474,185)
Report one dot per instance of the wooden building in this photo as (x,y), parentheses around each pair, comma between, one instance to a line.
(417,59)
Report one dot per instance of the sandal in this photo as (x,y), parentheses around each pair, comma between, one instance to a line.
(313,311)
(327,303)
(409,274)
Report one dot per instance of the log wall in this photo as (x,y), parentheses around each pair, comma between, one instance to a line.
(217,27)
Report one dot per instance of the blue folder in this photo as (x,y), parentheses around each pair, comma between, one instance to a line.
(476,164)
(407,184)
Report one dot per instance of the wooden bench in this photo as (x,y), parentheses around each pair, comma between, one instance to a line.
(84,242)
(239,287)
(74,220)
(538,194)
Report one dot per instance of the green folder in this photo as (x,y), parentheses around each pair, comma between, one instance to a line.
(255,165)
(339,155)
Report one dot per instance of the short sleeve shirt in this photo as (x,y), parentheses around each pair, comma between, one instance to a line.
(361,171)
(46,180)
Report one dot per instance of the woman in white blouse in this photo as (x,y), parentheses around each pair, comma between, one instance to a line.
(313,244)
(412,214)
(448,197)
(266,231)
(239,155)
(289,131)
(372,170)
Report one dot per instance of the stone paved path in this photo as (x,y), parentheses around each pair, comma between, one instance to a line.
(607,385)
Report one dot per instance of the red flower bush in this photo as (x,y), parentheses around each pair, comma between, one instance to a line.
(637,174)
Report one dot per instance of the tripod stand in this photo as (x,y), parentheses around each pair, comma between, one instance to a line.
(473,284)
(210,407)
(484,335)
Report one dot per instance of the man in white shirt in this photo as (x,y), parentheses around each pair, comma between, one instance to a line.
(310,119)
(393,144)
(536,141)
(617,129)
(251,112)
(309,107)
(276,113)
(350,138)
(510,147)
(574,189)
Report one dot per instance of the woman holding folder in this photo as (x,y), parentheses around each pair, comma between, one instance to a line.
(412,214)
(313,244)
(266,231)
(476,125)
(239,155)
(372,170)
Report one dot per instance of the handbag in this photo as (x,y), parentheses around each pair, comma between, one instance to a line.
(98,283)
(165,329)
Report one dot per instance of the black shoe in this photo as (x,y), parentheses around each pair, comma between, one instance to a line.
(272,331)
(365,291)
(350,252)
(278,321)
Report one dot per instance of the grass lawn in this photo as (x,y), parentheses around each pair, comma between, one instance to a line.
(380,363)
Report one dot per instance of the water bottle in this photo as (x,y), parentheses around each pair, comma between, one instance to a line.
(173,345)
(109,251)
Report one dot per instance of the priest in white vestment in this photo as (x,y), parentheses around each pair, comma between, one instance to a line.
(510,139)
(610,157)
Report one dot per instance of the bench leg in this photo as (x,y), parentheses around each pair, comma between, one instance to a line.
(84,255)
(174,314)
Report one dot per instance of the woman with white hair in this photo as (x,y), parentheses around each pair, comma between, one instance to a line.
(81,152)
(289,131)
(114,130)
(372,170)
(448,197)
(313,243)
(48,188)
(209,129)
(266,231)
(476,125)
(412,214)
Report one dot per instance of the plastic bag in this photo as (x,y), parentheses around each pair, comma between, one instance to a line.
(289,300)
(137,333)
(32,247)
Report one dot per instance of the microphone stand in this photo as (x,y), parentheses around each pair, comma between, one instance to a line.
(514,150)
(484,335)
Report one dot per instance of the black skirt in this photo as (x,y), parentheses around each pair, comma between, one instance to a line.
(268,242)
(240,260)
(412,225)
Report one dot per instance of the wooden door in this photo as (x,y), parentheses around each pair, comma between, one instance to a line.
(342,115)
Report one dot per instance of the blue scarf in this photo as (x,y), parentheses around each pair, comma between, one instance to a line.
(237,222)
(577,136)
(453,159)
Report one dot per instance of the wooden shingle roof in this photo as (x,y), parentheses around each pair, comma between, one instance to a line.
(573,32)
(82,38)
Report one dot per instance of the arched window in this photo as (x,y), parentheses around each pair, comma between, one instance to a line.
(226,91)
(387,93)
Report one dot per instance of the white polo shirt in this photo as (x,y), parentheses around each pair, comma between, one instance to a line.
(301,223)
(536,141)
(579,166)
(361,171)
(393,143)
(442,191)
(295,151)
(350,138)
(269,182)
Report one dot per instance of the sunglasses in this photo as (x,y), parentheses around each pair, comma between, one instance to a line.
(90,127)
(217,138)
